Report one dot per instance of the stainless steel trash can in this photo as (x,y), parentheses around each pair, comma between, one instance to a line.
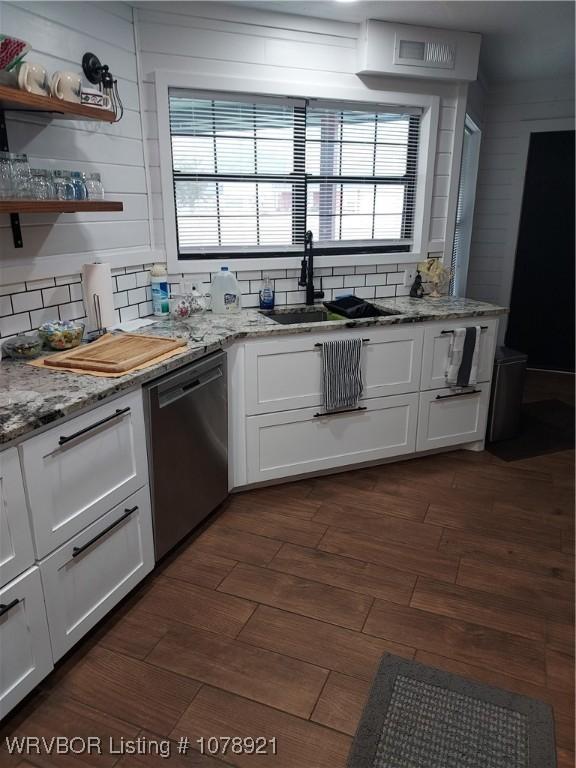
(504,415)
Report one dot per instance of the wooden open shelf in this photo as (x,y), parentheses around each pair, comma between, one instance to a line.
(14,99)
(58,206)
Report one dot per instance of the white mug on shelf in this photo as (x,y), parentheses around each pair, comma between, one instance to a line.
(33,78)
(66,86)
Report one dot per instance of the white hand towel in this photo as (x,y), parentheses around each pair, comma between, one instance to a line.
(462,369)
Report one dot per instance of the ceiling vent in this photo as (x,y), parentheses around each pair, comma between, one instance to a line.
(400,49)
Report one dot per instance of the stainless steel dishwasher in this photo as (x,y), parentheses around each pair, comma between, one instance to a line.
(187,435)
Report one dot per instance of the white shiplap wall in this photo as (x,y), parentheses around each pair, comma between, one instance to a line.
(60,33)
(220,40)
(508,116)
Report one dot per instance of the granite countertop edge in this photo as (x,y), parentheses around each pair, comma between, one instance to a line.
(32,398)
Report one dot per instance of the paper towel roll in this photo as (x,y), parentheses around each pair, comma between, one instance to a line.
(98,292)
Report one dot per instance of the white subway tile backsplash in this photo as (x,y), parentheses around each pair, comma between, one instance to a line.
(136,295)
(385,291)
(377,279)
(129,313)
(333,282)
(68,279)
(24,302)
(12,324)
(73,311)
(288,284)
(365,293)
(120,299)
(6,306)
(62,297)
(76,293)
(46,315)
(126,282)
(59,295)
(353,281)
(142,279)
(145,309)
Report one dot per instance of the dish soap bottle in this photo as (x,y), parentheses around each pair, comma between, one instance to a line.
(159,283)
(225,293)
(267,294)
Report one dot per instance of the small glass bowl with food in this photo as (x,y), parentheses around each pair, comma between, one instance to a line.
(61,334)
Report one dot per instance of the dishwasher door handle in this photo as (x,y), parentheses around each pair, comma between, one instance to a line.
(193,385)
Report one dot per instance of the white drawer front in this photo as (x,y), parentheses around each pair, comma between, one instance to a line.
(296,442)
(446,418)
(72,482)
(437,348)
(16,548)
(287,373)
(25,657)
(90,574)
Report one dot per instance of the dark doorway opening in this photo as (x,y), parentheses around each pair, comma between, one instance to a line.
(541,322)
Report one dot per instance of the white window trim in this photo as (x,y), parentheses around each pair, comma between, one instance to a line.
(469,199)
(429,104)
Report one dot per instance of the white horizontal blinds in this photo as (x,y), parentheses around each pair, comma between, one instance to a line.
(238,172)
(462,214)
(361,174)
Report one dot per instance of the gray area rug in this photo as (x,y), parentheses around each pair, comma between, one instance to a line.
(420,717)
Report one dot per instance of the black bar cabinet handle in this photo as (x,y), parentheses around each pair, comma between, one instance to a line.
(335,413)
(482,328)
(4,608)
(364,341)
(78,550)
(459,394)
(117,412)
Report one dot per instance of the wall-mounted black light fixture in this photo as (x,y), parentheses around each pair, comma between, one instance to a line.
(99,74)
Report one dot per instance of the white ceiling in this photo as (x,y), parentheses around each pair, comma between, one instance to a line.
(522,40)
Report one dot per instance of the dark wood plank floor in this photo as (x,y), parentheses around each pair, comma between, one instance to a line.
(272,621)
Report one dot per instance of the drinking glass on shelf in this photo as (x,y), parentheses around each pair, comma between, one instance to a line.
(63,186)
(5,176)
(94,188)
(79,185)
(21,178)
(42,187)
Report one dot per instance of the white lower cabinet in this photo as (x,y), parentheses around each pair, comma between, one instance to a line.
(449,418)
(25,655)
(16,547)
(77,471)
(295,442)
(87,576)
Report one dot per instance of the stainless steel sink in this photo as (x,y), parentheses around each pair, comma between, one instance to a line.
(292,316)
(301,315)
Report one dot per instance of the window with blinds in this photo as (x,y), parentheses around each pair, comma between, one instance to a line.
(252,176)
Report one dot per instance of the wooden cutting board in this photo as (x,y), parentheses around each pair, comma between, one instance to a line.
(114,353)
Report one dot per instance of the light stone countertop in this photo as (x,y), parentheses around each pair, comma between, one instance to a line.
(31,397)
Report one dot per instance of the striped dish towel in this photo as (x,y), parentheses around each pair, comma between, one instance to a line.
(341,374)
(463,357)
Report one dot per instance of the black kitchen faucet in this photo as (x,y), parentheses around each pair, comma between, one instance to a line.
(307,272)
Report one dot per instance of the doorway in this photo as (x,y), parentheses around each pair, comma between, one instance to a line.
(541,321)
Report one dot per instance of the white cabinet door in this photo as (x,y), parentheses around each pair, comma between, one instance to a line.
(437,340)
(79,470)
(296,442)
(449,418)
(25,654)
(286,373)
(16,548)
(86,577)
